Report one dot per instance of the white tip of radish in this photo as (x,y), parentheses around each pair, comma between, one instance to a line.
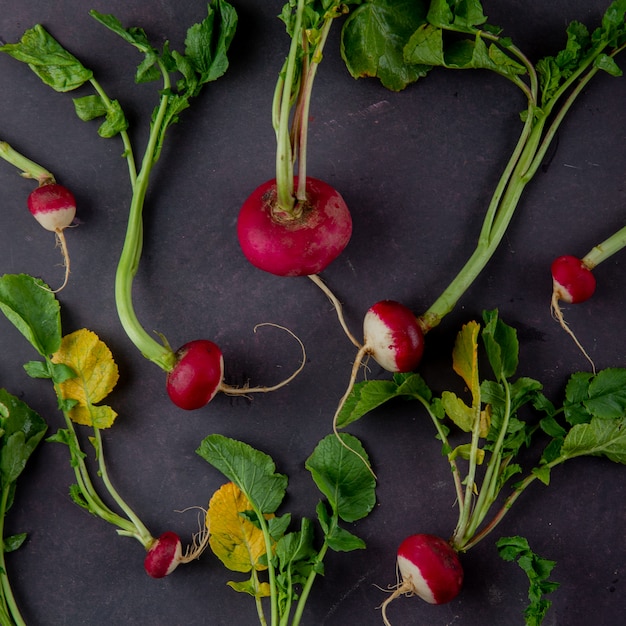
(53,206)
(393,336)
(164,555)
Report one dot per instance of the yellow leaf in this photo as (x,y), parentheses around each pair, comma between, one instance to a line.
(236,541)
(96,375)
(465,358)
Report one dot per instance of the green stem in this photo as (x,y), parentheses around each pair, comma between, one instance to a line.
(602,251)
(282,108)
(141,533)
(128,149)
(308,585)
(160,354)
(274,615)
(9,605)
(29,169)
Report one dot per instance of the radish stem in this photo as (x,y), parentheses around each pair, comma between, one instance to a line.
(29,169)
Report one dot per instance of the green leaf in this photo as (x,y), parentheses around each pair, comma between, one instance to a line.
(12,543)
(341,540)
(501,344)
(45,56)
(342,476)
(537,570)
(22,430)
(252,471)
(365,397)
(462,15)
(600,437)
(373,39)
(32,308)
(461,414)
(607,394)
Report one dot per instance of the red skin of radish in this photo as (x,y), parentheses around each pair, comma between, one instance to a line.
(53,206)
(294,247)
(432,567)
(164,555)
(573,282)
(393,336)
(197,375)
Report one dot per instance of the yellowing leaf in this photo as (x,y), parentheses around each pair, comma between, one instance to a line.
(465,358)
(235,540)
(96,375)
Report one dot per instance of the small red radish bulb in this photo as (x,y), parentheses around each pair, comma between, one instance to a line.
(197,376)
(430,568)
(54,207)
(572,282)
(298,244)
(164,555)
(393,336)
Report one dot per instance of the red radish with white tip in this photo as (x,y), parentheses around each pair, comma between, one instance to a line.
(54,207)
(430,568)
(572,282)
(393,336)
(164,555)
(297,243)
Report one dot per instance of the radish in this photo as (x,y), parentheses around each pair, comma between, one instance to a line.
(295,225)
(197,375)
(393,336)
(54,207)
(164,555)
(430,568)
(298,244)
(51,204)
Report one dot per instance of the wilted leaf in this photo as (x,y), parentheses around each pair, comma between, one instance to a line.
(235,540)
(465,358)
(96,375)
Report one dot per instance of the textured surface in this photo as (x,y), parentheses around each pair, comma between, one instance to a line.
(417,169)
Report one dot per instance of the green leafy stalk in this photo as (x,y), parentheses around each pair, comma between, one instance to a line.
(21,431)
(308,24)
(292,560)
(35,312)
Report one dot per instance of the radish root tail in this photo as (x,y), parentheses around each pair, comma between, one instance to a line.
(403,589)
(199,540)
(358,361)
(338,308)
(245,390)
(557,314)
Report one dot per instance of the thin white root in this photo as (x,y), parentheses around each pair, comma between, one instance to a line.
(338,308)
(363,351)
(66,258)
(557,314)
(199,540)
(243,391)
(403,589)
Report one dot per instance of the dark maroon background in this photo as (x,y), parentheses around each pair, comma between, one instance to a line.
(417,169)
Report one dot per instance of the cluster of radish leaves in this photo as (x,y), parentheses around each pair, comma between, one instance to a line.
(400,42)
(248,535)
(590,422)
(83,372)
(21,430)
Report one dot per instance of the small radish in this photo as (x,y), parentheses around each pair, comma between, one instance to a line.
(430,568)
(299,243)
(54,207)
(164,555)
(393,336)
(198,374)
(572,282)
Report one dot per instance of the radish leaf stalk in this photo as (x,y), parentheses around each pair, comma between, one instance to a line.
(83,372)
(21,431)
(290,559)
